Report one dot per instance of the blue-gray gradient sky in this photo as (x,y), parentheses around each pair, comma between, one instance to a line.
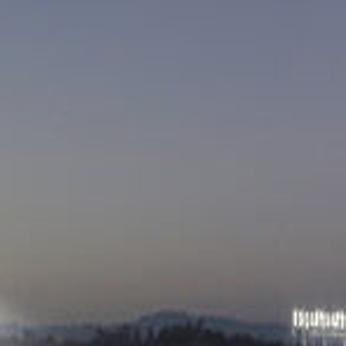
(171,154)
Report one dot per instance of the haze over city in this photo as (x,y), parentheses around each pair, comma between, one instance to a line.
(171,155)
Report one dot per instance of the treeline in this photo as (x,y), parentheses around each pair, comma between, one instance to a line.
(188,335)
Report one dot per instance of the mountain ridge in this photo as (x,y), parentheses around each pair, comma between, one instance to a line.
(227,325)
(155,322)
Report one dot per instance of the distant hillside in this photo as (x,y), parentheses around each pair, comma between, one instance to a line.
(228,326)
(59,333)
(151,322)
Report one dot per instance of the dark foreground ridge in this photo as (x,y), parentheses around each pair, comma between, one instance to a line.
(159,329)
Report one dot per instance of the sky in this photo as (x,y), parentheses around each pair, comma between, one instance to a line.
(178,154)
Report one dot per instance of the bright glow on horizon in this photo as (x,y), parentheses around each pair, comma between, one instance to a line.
(318,319)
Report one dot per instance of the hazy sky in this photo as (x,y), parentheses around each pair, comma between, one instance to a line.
(171,154)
